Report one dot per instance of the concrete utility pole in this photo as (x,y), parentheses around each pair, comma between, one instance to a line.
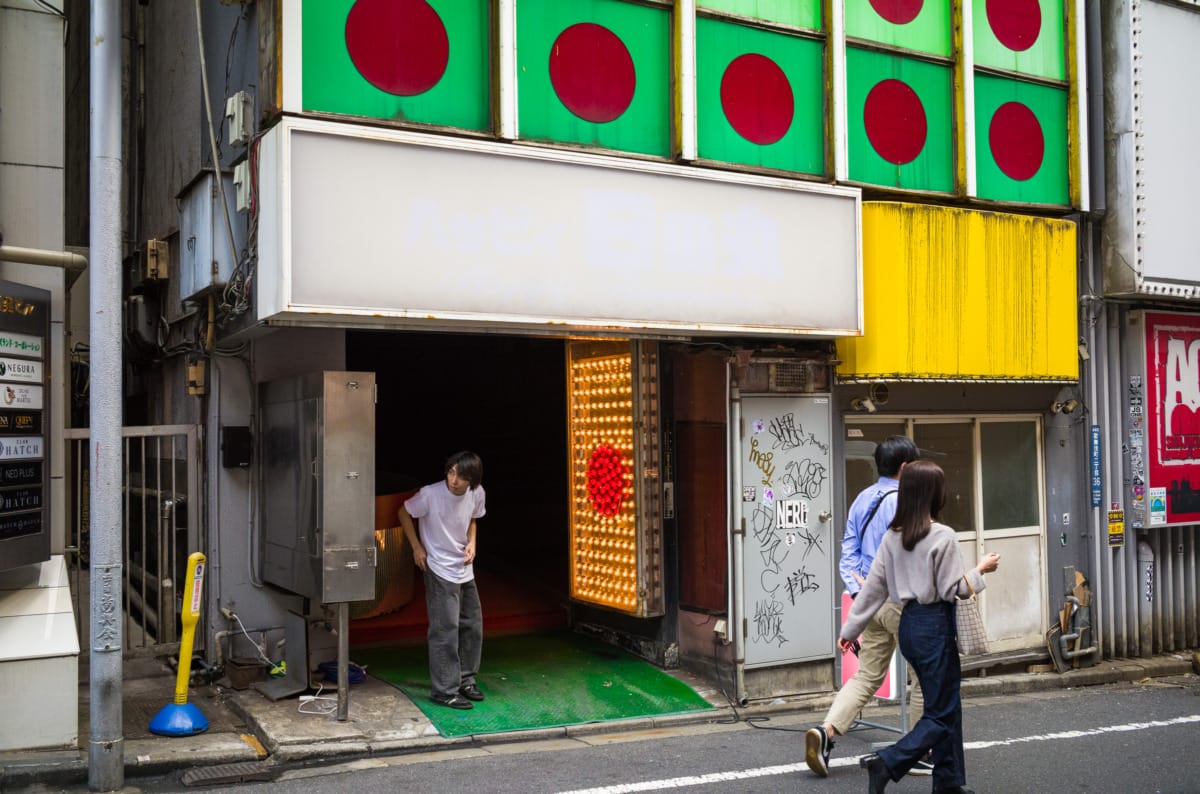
(106,745)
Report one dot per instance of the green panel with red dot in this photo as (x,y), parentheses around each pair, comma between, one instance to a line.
(1021,150)
(921,25)
(899,121)
(1024,36)
(758,97)
(798,13)
(422,61)
(594,72)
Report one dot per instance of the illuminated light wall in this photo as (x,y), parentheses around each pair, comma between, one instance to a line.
(603,499)
(967,99)
(616,527)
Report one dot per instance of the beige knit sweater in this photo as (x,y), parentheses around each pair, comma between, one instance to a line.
(931,572)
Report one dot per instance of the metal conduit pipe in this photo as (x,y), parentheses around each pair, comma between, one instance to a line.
(1190,617)
(1166,604)
(731,507)
(1145,564)
(737,528)
(74,263)
(1097,374)
(1115,481)
(1179,544)
(106,743)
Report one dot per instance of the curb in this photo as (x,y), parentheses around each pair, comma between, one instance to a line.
(67,767)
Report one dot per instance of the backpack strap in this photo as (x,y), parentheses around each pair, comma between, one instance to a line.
(874,509)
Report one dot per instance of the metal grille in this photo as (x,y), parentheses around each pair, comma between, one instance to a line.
(160,486)
(789,377)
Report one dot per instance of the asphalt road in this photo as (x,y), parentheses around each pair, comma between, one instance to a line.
(1118,738)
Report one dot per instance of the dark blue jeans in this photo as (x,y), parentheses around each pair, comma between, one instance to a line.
(927,640)
(455,634)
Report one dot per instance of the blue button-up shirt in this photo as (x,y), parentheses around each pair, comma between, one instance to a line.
(859,546)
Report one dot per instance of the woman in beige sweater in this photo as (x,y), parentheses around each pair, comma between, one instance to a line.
(918,565)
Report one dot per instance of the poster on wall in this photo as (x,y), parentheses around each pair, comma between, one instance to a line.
(1173,417)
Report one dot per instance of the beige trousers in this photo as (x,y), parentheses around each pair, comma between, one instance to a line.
(878,642)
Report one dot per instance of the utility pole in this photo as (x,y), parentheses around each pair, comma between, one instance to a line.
(106,745)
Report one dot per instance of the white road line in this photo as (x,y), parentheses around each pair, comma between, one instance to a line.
(787,769)
(1130,726)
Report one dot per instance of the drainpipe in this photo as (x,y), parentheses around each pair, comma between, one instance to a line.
(73,263)
(106,744)
(738,532)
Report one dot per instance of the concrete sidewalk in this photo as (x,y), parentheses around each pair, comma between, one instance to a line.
(252,738)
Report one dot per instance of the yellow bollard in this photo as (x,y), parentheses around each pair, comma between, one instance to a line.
(181,718)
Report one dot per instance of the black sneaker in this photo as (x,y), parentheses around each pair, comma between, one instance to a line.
(923,768)
(817,747)
(471,692)
(453,701)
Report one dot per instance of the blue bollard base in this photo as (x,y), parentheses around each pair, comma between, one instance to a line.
(179,720)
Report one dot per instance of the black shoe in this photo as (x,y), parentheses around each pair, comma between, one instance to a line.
(471,692)
(878,775)
(923,768)
(816,750)
(453,701)
(955,790)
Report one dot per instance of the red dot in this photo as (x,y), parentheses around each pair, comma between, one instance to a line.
(592,72)
(1015,136)
(1016,23)
(895,121)
(398,46)
(898,12)
(757,98)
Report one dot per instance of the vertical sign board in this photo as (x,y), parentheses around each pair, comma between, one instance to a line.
(1096,478)
(787,567)
(1172,418)
(24,359)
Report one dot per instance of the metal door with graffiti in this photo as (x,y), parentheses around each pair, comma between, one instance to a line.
(786,501)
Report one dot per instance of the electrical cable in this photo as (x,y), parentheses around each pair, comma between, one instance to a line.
(51,9)
(261,654)
(212,136)
(317,704)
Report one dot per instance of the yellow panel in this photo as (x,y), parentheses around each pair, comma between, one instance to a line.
(964,295)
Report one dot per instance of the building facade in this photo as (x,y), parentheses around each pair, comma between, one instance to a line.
(672,268)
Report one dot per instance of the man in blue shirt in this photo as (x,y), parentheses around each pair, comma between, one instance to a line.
(870,514)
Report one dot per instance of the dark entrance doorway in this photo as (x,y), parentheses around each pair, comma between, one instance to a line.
(504,398)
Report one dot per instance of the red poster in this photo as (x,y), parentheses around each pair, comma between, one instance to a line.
(1173,413)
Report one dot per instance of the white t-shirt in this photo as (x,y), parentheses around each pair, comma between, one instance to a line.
(445,519)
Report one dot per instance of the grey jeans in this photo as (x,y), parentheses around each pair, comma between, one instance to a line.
(455,634)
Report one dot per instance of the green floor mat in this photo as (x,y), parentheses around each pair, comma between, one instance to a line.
(539,681)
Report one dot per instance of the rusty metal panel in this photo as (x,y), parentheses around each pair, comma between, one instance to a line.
(955,294)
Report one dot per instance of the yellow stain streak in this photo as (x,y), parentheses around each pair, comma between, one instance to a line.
(255,744)
(964,294)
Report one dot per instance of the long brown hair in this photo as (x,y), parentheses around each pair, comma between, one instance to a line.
(921,499)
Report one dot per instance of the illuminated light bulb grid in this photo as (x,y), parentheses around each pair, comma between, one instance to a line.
(605,547)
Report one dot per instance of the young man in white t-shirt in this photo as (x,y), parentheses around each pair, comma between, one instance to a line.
(445,551)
